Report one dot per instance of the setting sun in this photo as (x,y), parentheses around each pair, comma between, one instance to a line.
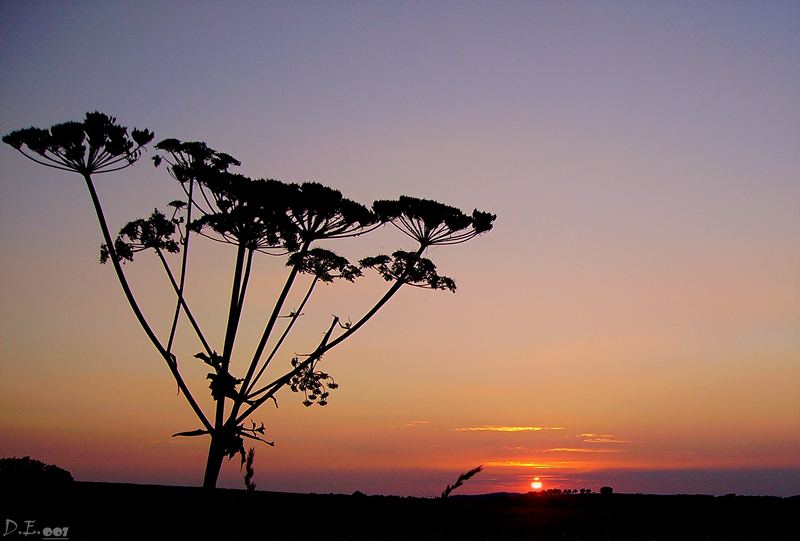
(536,484)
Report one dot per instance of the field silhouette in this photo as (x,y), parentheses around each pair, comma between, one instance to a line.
(126,511)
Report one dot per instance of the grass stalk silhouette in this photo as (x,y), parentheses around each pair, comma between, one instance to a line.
(460,481)
(249,471)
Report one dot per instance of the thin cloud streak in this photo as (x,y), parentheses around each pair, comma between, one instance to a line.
(493,428)
(602,438)
(581,450)
(411,424)
(532,465)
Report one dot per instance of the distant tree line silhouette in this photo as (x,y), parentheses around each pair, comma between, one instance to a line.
(27,472)
(558,491)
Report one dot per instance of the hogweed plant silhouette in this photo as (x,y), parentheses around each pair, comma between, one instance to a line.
(257,218)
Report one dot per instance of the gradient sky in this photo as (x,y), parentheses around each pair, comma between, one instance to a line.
(633,319)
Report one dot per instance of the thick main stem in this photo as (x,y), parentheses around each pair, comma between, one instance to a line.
(216,454)
(171,364)
(216,448)
(247,268)
(234,312)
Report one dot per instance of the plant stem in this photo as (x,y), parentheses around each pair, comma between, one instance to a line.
(234,311)
(214,462)
(248,265)
(319,352)
(180,290)
(282,338)
(171,364)
(265,335)
(182,302)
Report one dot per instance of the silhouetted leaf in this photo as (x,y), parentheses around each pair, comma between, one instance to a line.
(198,432)
(214,361)
(223,385)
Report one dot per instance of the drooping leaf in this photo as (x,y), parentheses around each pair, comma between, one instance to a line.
(223,385)
(190,433)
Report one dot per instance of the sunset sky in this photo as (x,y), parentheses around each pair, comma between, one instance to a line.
(632,320)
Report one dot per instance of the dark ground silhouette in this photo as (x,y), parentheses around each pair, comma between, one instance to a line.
(122,511)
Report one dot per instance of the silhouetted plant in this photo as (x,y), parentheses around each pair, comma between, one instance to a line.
(249,472)
(253,216)
(460,481)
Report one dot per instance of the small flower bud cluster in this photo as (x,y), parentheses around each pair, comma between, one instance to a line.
(313,384)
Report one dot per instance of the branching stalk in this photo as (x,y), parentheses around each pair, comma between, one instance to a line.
(319,352)
(183,304)
(266,334)
(247,266)
(181,287)
(275,349)
(253,215)
(171,364)
(234,312)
